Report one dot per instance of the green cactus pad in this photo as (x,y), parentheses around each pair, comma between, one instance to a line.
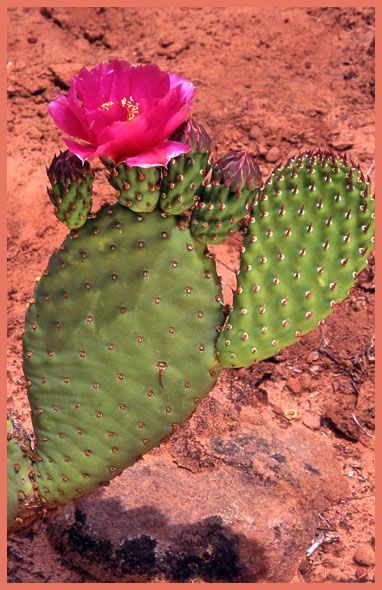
(21,495)
(184,175)
(138,187)
(226,197)
(71,191)
(119,346)
(310,233)
(182,181)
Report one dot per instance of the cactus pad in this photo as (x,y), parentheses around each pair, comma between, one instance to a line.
(184,175)
(71,192)
(309,235)
(119,346)
(225,198)
(138,187)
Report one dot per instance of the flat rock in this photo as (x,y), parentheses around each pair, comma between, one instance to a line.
(242,509)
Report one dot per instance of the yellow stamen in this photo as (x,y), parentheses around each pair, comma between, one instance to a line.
(131,107)
(106,106)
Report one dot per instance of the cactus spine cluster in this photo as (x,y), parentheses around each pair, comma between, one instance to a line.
(127,331)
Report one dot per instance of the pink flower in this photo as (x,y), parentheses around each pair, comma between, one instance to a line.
(125,113)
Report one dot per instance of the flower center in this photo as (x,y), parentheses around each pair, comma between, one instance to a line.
(131,107)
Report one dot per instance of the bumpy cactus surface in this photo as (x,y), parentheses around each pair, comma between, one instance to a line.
(184,175)
(119,346)
(309,235)
(138,187)
(127,330)
(226,197)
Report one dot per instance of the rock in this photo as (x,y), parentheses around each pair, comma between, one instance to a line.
(273,155)
(305,382)
(255,132)
(305,566)
(364,555)
(32,40)
(312,422)
(237,508)
(338,416)
(62,73)
(314,356)
(294,385)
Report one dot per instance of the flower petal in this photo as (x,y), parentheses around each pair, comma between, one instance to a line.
(83,151)
(149,82)
(188,89)
(159,155)
(66,119)
(167,114)
(93,86)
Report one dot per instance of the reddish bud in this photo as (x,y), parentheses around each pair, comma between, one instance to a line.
(193,134)
(239,170)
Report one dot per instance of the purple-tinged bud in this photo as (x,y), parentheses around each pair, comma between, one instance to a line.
(238,170)
(67,168)
(71,192)
(193,134)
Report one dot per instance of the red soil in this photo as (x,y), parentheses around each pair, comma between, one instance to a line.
(275,81)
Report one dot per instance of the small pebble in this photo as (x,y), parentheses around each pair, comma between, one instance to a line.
(305,566)
(32,40)
(255,132)
(312,422)
(294,385)
(364,555)
(314,356)
(273,155)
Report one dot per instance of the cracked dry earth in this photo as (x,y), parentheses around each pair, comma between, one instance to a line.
(240,491)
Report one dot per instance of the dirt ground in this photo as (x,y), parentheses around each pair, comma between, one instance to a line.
(274,81)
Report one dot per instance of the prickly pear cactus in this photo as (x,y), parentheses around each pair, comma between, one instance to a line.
(127,329)
(71,189)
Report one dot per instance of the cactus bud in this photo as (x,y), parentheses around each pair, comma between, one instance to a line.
(71,190)
(238,170)
(193,134)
